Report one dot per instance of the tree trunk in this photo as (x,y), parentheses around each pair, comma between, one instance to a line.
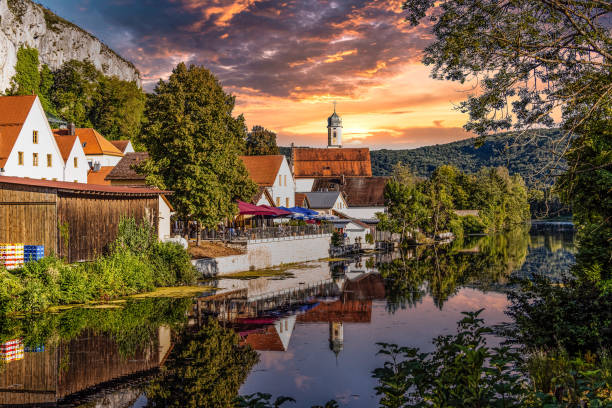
(197,233)
(186,230)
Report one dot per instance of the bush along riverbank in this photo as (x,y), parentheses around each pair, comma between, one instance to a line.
(136,262)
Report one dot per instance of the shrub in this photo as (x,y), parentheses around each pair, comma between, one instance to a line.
(472,225)
(172,264)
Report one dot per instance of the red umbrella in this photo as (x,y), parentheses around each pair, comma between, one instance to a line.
(277,211)
(250,209)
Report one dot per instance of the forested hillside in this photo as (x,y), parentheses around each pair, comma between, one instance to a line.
(527,156)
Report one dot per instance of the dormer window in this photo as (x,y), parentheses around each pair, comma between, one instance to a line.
(35,136)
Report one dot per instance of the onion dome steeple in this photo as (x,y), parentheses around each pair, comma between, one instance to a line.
(334,130)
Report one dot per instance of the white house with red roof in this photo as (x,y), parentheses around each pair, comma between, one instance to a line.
(76,167)
(99,151)
(273,173)
(27,146)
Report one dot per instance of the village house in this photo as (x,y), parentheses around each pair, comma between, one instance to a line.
(274,174)
(99,151)
(325,202)
(75,163)
(364,195)
(28,147)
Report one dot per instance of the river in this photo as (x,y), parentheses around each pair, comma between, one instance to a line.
(312,332)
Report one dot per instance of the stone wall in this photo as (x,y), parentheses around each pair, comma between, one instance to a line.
(267,254)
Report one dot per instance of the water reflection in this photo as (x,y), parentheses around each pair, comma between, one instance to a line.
(314,332)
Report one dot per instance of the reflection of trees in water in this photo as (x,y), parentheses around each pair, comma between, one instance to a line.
(441,270)
(205,369)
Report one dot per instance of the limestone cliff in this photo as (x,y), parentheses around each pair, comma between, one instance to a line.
(25,23)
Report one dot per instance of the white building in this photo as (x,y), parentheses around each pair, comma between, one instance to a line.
(73,156)
(325,202)
(28,147)
(99,151)
(273,173)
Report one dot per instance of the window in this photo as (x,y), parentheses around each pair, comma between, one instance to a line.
(76,181)
(287,202)
(20,158)
(34,159)
(49,160)
(278,201)
(76,162)
(35,136)
(285,176)
(54,178)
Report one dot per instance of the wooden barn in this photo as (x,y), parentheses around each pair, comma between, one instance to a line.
(76,221)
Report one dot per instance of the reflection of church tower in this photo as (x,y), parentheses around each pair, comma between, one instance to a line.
(334,130)
(336,337)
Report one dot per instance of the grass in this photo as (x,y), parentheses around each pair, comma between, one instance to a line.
(279,271)
(177,292)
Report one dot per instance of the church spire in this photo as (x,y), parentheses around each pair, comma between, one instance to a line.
(334,129)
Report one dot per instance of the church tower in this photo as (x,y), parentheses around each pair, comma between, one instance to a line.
(336,337)
(334,130)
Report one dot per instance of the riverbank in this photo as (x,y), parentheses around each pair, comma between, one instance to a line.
(135,263)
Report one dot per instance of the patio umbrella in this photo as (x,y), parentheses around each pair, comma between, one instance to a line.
(276,211)
(302,210)
(250,209)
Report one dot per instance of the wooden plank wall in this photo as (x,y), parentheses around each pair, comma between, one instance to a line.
(31,381)
(93,221)
(28,215)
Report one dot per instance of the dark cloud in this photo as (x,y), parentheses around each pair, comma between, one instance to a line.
(284,48)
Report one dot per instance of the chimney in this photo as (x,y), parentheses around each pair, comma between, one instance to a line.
(71,129)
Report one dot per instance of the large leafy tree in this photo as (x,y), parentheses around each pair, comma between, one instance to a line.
(534,60)
(261,141)
(194,143)
(29,79)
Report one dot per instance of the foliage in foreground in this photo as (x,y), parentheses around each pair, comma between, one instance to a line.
(463,371)
(137,262)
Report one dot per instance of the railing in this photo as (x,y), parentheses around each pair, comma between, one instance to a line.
(259,233)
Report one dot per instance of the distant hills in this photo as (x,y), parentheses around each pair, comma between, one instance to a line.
(528,155)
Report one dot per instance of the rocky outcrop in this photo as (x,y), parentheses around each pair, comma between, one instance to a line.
(25,23)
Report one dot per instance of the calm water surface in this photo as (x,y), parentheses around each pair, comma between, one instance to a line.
(314,332)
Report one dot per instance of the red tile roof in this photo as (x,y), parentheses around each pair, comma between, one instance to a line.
(13,112)
(349,162)
(300,200)
(94,142)
(263,169)
(98,177)
(65,144)
(347,311)
(80,187)
(265,339)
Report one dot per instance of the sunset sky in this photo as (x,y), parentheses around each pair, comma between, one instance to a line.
(286,61)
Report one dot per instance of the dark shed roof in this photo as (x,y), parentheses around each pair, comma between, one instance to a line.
(81,187)
(126,168)
(358,191)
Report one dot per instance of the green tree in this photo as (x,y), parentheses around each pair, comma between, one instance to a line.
(73,91)
(117,110)
(193,143)
(439,191)
(261,141)
(206,369)
(406,204)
